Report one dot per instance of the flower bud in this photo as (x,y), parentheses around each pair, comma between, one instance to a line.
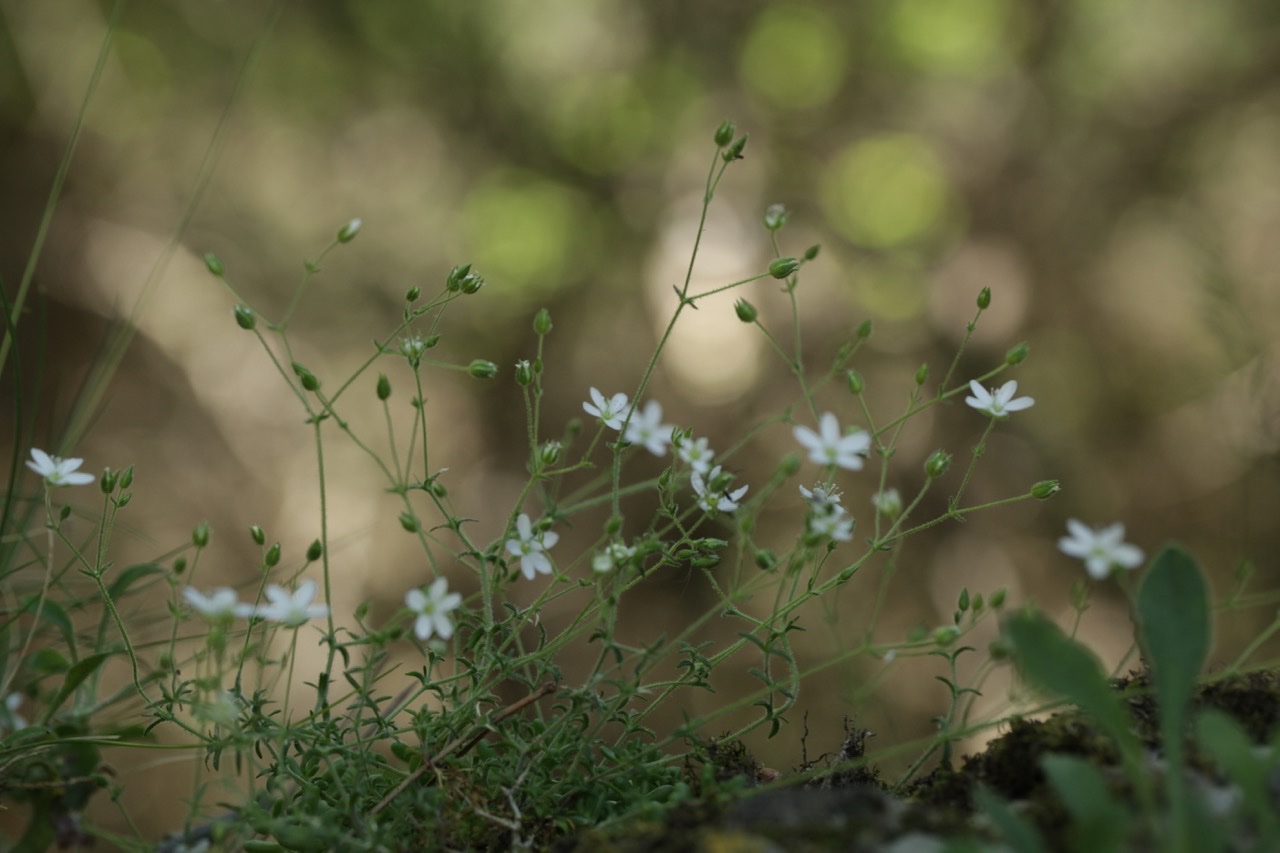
(613,525)
(864,329)
(437,488)
(314,551)
(412,294)
(855,382)
(107,482)
(775,216)
(524,372)
(962,604)
(978,603)
(937,464)
(200,535)
(745,310)
(179,565)
(1018,354)
(984,299)
(790,465)
(783,267)
(922,375)
(257,534)
(348,232)
(454,280)
(766,559)
(542,321)
(471,282)
(245,318)
(384,387)
(998,597)
(946,635)
(65,512)
(724,133)
(408,522)
(272,557)
(1045,489)
(734,151)
(214,264)
(812,252)
(888,503)
(306,377)
(549,453)
(999,650)
(482,369)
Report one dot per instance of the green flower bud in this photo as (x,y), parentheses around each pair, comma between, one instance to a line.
(855,382)
(65,512)
(812,252)
(1018,354)
(524,372)
(864,330)
(984,299)
(412,294)
(922,375)
(999,650)
(453,282)
(542,321)
(790,465)
(766,559)
(978,603)
(306,377)
(314,551)
(1045,489)
(348,232)
(775,216)
(126,477)
(471,282)
(256,532)
(998,597)
(409,522)
(745,310)
(613,525)
(734,151)
(245,318)
(384,387)
(962,604)
(549,453)
(437,488)
(724,133)
(107,482)
(179,565)
(946,635)
(937,464)
(482,369)
(200,535)
(783,267)
(123,501)
(272,557)
(214,264)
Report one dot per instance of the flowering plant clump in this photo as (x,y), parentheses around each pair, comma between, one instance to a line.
(532,704)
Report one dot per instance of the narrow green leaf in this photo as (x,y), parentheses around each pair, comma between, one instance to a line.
(1019,832)
(1232,750)
(1100,824)
(51,612)
(126,578)
(75,677)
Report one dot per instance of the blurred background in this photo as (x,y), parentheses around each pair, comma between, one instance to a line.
(1110,171)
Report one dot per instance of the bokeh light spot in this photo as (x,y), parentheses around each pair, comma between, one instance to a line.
(952,36)
(520,229)
(601,123)
(886,191)
(793,57)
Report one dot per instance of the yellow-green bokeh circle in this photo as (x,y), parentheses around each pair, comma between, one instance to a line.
(521,230)
(969,37)
(793,57)
(886,191)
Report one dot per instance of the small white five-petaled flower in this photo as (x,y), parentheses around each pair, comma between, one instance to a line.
(646,428)
(615,554)
(999,402)
(695,453)
(531,546)
(291,609)
(829,446)
(827,519)
(711,498)
(432,608)
(58,471)
(221,605)
(610,411)
(1102,550)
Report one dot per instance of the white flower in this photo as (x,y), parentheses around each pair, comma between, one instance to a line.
(827,519)
(830,447)
(12,719)
(1102,550)
(721,500)
(219,606)
(696,454)
(291,609)
(646,427)
(998,402)
(611,411)
(614,555)
(432,608)
(888,503)
(530,546)
(58,471)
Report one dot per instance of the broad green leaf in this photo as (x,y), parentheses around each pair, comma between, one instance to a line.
(1173,613)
